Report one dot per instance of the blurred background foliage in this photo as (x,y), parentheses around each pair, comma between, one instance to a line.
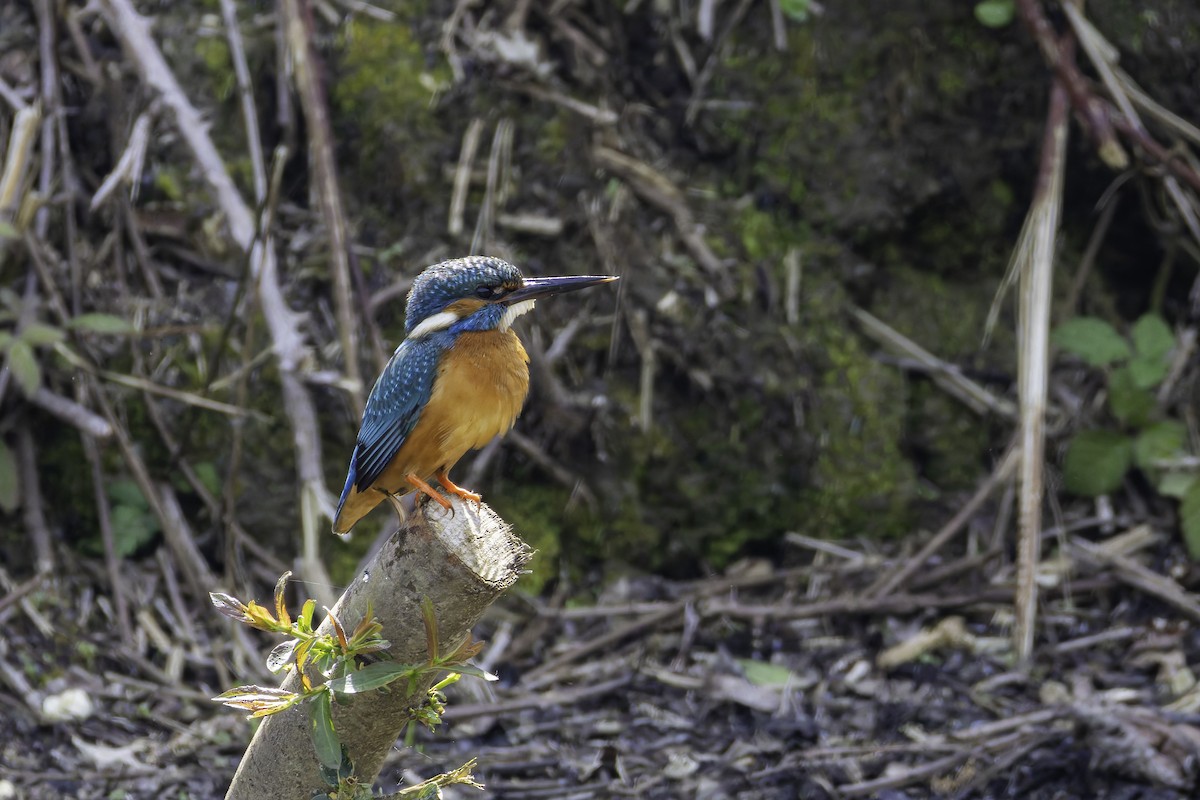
(786,168)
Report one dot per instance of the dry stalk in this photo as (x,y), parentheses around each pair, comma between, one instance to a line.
(129,167)
(288,341)
(999,477)
(72,413)
(659,191)
(462,176)
(241,71)
(1034,260)
(946,375)
(320,136)
(496,189)
(16,162)
(1134,574)
(31,501)
(112,564)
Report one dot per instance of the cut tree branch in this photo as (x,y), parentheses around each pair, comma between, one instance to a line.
(460,562)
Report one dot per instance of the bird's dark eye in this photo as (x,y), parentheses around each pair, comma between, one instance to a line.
(485,293)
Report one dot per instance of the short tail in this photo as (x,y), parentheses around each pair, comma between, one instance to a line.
(340,525)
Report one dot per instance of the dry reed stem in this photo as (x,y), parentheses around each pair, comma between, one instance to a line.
(1035,259)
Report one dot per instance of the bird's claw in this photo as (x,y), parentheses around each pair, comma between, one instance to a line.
(428,491)
(443,478)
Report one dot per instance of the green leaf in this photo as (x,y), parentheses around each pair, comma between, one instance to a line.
(306,615)
(760,673)
(101,323)
(206,471)
(1152,337)
(795,10)
(6,339)
(1161,440)
(281,656)
(132,528)
(994,13)
(474,671)
(125,491)
(38,334)
(1175,483)
(23,365)
(1147,372)
(8,230)
(262,701)
(1152,343)
(372,676)
(1093,340)
(1096,462)
(324,737)
(1130,404)
(10,489)
(1189,520)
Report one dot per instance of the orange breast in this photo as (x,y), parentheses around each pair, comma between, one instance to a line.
(481,385)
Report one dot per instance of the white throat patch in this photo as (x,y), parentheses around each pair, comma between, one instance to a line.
(512,312)
(438,322)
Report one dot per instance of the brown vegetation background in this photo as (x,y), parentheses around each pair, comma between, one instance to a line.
(812,208)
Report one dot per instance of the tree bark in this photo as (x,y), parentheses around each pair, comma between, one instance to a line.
(461,562)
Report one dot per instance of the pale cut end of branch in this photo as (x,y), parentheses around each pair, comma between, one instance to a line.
(495,556)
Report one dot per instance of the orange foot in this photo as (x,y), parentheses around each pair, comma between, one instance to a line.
(427,490)
(443,477)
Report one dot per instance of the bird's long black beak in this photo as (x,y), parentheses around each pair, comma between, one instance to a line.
(545,287)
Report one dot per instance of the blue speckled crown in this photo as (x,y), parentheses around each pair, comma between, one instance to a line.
(440,285)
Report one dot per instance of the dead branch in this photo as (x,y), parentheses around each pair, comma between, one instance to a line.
(461,562)
(316,116)
(999,477)
(290,349)
(659,191)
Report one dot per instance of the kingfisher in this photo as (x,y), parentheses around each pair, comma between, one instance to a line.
(458,380)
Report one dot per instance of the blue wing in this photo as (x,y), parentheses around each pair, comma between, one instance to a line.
(393,408)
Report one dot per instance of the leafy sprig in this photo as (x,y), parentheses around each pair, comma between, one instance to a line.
(333,666)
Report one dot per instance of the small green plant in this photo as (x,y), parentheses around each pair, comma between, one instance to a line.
(796,10)
(134,524)
(995,13)
(342,662)
(19,345)
(1098,459)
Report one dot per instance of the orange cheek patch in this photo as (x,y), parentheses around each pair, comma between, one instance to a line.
(465,307)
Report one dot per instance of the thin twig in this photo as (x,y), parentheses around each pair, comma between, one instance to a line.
(134,382)
(72,413)
(112,564)
(999,477)
(495,190)
(20,591)
(944,374)
(241,71)
(31,501)
(133,30)
(307,66)
(657,189)
(595,113)
(1088,259)
(1061,57)
(1134,574)
(462,176)
(715,58)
